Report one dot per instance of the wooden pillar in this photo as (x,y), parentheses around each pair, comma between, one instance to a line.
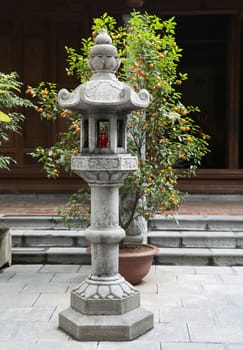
(233,93)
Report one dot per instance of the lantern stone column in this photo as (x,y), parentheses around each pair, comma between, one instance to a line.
(105,306)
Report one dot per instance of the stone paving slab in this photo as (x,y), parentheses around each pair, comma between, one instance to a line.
(223,289)
(15,345)
(222,270)
(11,288)
(195,308)
(69,345)
(25,268)
(39,330)
(43,287)
(31,276)
(234,347)
(23,300)
(60,268)
(135,345)
(158,300)
(202,300)
(27,313)
(183,314)
(168,332)
(208,333)
(8,329)
(52,299)
(235,300)
(69,277)
(192,346)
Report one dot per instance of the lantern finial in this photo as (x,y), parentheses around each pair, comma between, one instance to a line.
(103,55)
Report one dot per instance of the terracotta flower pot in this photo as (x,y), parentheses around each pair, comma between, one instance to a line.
(135,261)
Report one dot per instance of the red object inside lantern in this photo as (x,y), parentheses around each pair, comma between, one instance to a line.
(103,141)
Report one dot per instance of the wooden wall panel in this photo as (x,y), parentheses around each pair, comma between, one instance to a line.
(35,131)
(34,59)
(6,47)
(32,39)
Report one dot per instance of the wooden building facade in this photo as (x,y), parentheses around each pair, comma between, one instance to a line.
(32,40)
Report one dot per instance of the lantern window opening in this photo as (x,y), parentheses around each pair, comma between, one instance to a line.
(120,133)
(86,133)
(103,129)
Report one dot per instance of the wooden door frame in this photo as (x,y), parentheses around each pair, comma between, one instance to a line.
(233,92)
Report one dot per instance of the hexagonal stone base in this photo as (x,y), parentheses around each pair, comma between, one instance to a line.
(105,306)
(105,328)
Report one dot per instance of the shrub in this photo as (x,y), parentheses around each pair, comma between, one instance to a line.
(166,140)
(10,116)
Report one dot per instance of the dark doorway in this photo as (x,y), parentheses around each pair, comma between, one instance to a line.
(204,42)
(241,102)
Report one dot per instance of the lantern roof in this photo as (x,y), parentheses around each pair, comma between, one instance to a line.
(103,90)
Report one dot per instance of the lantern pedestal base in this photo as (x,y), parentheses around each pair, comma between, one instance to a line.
(105,308)
(123,327)
(111,295)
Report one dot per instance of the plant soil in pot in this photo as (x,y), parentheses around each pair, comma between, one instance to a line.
(135,260)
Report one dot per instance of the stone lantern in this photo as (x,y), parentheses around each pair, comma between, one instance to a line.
(105,306)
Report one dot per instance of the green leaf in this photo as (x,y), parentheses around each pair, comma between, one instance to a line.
(4,117)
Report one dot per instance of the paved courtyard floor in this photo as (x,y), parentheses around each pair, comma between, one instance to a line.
(195,308)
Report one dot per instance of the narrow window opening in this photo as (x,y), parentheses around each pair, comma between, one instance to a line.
(86,134)
(102,134)
(119,133)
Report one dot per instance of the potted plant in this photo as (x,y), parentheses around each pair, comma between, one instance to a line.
(166,140)
(10,122)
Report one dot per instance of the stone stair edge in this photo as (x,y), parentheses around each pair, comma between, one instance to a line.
(199,257)
(49,250)
(197,223)
(159,233)
(190,217)
(195,234)
(32,217)
(171,256)
(200,251)
(175,219)
(47,232)
(51,255)
(194,252)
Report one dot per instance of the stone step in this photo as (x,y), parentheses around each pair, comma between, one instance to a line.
(207,240)
(165,256)
(54,255)
(166,239)
(199,256)
(44,222)
(196,239)
(48,238)
(159,222)
(196,223)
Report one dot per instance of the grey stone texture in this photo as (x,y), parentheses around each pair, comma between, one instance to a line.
(104,306)
(180,246)
(197,223)
(48,222)
(126,326)
(195,308)
(49,238)
(5,247)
